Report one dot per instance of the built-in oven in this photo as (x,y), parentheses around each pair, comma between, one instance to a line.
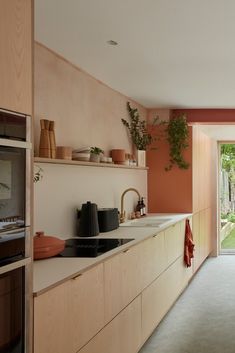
(15,248)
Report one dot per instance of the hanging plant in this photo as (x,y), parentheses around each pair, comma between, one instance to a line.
(137,128)
(38,174)
(177,136)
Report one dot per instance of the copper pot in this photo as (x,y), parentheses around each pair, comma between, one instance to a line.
(46,246)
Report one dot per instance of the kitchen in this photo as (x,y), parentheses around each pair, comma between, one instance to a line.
(88,112)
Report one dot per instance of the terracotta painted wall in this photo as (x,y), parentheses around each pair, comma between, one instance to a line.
(208,115)
(167,191)
(86,112)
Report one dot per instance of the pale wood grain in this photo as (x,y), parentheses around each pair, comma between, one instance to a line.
(16,55)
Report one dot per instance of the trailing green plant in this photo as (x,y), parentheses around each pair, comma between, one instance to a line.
(96,150)
(177,136)
(38,175)
(137,128)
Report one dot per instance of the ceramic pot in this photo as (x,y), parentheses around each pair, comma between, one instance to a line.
(94,158)
(64,152)
(118,156)
(141,158)
(46,246)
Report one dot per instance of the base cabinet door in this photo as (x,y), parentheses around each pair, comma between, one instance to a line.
(69,315)
(52,321)
(121,335)
(122,280)
(86,305)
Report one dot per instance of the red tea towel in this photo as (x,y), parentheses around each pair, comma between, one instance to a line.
(188,244)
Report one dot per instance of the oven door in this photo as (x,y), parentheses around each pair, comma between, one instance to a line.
(12,309)
(12,187)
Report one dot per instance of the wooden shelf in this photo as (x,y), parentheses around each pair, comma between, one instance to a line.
(83,163)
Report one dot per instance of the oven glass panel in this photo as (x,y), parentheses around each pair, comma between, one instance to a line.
(12,187)
(12,126)
(12,311)
(12,247)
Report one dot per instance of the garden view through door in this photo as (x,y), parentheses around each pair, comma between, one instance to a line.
(227,198)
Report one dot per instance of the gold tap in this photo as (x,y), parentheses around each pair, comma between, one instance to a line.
(123,213)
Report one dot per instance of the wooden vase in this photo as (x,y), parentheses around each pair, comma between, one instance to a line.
(44,144)
(52,139)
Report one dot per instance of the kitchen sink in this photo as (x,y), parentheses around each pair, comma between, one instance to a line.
(147,222)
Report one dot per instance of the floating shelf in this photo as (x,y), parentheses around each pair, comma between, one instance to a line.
(83,163)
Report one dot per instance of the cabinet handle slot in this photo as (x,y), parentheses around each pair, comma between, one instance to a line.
(125,251)
(155,236)
(76,277)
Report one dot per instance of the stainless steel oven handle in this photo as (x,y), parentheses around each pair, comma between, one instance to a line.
(14,265)
(15,143)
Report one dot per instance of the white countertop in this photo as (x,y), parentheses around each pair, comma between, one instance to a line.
(53,271)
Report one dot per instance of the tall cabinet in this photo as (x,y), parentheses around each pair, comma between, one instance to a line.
(16,55)
(188,190)
(16,80)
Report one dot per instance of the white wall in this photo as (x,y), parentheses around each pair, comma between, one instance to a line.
(86,113)
(64,188)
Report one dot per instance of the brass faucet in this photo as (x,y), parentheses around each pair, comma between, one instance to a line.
(123,213)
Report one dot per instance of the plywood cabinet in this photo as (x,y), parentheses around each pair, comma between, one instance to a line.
(67,316)
(115,306)
(174,240)
(122,280)
(161,294)
(16,55)
(122,334)
(154,305)
(153,258)
(202,236)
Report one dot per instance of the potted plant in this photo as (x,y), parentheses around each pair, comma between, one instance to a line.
(139,134)
(95,153)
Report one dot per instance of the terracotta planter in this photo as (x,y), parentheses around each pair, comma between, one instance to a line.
(118,156)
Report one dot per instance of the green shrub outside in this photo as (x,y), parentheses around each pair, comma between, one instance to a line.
(231,217)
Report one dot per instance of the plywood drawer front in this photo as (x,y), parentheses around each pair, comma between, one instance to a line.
(155,304)
(154,258)
(69,315)
(121,335)
(87,305)
(52,321)
(122,280)
(174,241)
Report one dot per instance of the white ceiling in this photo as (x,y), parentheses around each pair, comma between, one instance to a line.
(171,53)
(219,132)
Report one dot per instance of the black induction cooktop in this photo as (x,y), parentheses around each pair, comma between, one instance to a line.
(78,247)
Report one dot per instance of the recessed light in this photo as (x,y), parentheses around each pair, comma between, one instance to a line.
(112,42)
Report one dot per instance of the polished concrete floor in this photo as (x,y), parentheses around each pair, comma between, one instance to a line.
(203,318)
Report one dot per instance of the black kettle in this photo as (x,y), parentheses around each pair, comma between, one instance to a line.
(88,221)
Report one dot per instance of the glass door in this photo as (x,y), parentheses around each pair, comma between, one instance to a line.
(227,198)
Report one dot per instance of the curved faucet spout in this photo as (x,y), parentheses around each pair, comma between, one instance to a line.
(122,215)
